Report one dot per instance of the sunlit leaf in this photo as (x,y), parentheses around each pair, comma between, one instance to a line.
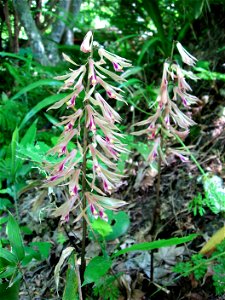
(8,256)
(96,268)
(156,244)
(15,237)
(42,104)
(36,84)
(102,227)
(71,287)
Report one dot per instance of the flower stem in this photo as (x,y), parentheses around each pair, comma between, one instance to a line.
(84,187)
(84,224)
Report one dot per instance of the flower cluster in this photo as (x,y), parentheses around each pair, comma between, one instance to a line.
(96,121)
(168,119)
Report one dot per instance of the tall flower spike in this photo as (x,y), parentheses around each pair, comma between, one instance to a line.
(102,137)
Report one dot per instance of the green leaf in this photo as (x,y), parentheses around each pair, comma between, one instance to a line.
(96,268)
(26,230)
(14,143)
(102,227)
(14,56)
(5,203)
(42,104)
(143,149)
(30,254)
(43,248)
(30,135)
(146,47)
(156,244)
(53,120)
(130,82)
(9,271)
(121,223)
(8,256)
(132,71)
(36,84)
(3,220)
(11,293)
(15,237)
(120,40)
(71,288)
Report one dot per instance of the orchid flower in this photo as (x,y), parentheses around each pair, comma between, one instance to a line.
(95,119)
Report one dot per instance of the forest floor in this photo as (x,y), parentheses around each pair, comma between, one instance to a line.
(180,183)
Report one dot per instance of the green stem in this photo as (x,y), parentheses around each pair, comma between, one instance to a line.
(84,223)
(191,155)
(84,187)
(171,55)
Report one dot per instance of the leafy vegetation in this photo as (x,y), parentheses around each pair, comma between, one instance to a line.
(168,203)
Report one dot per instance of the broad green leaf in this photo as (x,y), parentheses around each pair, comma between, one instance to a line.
(96,268)
(36,84)
(43,248)
(143,149)
(26,230)
(71,287)
(121,223)
(30,135)
(8,256)
(15,237)
(156,244)
(30,254)
(5,203)
(102,227)
(10,293)
(66,252)
(9,271)
(42,104)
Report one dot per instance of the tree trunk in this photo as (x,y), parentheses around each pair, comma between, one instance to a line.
(68,37)
(57,32)
(36,43)
(46,51)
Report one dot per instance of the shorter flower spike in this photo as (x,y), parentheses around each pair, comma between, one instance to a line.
(168,118)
